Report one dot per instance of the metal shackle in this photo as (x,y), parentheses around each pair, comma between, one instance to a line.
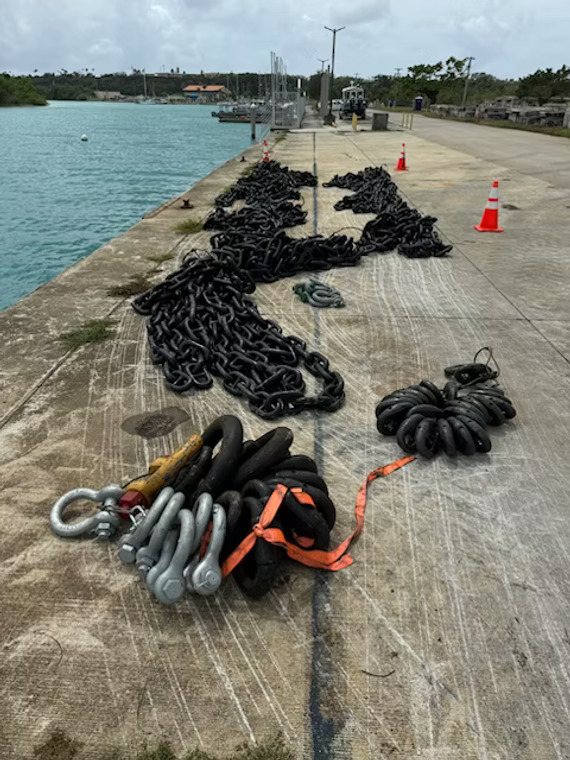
(188,570)
(166,554)
(202,512)
(104,522)
(170,585)
(207,575)
(148,555)
(133,541)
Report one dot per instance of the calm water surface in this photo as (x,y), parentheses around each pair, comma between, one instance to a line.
(61,198)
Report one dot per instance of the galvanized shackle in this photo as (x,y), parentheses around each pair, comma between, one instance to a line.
(166,554)
(170,585)
(188,570)
(132,542)
(148,555)
(202,512)
(103,523)
(207,575)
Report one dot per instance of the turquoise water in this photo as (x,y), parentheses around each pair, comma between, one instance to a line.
(61,198)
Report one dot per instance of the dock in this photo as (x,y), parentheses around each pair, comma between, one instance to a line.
(449,636)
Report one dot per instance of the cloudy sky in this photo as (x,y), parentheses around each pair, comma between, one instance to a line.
(508,38)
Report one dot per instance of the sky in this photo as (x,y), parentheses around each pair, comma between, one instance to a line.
(508,38)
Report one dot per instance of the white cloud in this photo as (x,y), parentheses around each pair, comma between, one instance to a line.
(507,37)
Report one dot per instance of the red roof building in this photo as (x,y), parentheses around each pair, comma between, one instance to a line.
(206,93)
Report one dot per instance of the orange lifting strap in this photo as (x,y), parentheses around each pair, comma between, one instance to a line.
(336,559)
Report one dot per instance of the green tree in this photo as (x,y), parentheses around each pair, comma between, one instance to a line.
(19,91)
(434,80)
(378,89)
(313,86)
(544,85)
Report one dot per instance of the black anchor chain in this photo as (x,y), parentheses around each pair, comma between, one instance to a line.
(202,324)
(396,225)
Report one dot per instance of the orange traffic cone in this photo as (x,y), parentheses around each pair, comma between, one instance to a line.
(265,158)
(490,219)
(402,160)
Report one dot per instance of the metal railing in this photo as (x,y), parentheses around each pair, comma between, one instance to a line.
(407,120)
(287,106)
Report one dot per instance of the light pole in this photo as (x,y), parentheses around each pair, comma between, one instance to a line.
(397,85)
(323,61)
(469,60)
(329,118)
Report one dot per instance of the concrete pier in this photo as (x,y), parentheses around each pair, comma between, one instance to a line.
(449,637)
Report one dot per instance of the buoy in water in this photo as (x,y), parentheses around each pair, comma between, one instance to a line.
(84,138)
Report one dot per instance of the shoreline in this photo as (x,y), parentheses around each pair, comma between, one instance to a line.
(78,293)
(106,185)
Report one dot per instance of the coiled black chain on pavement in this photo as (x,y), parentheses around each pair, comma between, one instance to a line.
(397,225)
(202,324)
(254,236)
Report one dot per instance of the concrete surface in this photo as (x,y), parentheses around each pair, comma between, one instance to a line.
(542,156)
(449,637)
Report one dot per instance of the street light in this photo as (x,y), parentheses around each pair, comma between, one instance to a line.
(329,118)
(323,61)
(470,60)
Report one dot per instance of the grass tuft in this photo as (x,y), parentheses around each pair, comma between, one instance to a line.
(188,227)
(245,172)
(162,751)
(279,139)
(271,749)
(93,331)
(137,284)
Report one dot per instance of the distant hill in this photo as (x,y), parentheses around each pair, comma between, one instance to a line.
(19,91)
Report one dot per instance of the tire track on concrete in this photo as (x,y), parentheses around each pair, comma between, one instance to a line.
(326,720)
(220,669)
(119,402)
(251,661)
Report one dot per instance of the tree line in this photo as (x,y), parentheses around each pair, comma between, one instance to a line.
(81,85)
(442,82)
(19,91)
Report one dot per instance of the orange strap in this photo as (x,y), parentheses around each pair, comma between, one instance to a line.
(336,559)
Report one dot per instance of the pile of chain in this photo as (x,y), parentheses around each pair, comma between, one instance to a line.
(425,419)
(397,225)
(267,182)
(202,324)
(189,534)
(318,294)
(253,237)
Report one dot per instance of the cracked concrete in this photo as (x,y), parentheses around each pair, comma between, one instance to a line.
(459,594)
